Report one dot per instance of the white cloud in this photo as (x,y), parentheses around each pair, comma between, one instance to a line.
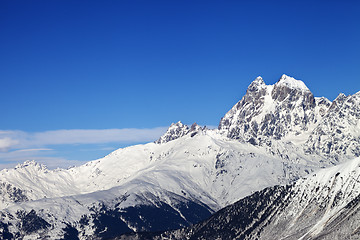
(34,150)
(6,143)
(20,139)
(81,136)
(22,155)
(19,146)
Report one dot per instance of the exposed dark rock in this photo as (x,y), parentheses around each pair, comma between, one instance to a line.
(12,193)
(4,231)
(30,222)
(70,233)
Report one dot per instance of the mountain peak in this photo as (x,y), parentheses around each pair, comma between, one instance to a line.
(259,79)
(292,83)
(175,131)
(31,164)
(340,96)
(256,84)
(178,130)
(276,111)
(195,127)
(176,125)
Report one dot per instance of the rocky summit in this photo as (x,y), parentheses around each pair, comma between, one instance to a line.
(268,112)
(288,112)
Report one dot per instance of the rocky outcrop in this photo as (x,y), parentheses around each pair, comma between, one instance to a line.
(338,133)
(177,130)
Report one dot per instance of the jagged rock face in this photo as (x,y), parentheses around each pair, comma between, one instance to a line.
(323,105)
(273,115)
(9,193)
(239,119)
(177,130)
(271,111)
(338,134)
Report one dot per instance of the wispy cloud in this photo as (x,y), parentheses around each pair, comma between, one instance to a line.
(34,150)
(22,154)
(6,143)
(20,139)
(18,146)
(41,155)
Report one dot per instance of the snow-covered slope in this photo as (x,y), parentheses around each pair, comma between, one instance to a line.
(205,166)
(325,205)
(102,214)
(207,170)
(274,135)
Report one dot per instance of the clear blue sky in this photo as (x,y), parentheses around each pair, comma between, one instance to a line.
(145,64)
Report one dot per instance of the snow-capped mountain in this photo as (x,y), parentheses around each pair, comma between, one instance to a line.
(288,111)
(274,135)
(325,205)
(272,111)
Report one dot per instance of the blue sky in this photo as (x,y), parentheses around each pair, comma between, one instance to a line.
(106,66)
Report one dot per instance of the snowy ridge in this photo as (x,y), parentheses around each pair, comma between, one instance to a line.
(324,205)
(292,83)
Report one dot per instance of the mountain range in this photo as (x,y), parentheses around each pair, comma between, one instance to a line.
(282,164)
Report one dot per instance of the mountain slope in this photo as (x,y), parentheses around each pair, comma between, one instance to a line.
(325,205)
(102,214)
(201,166)
(205,172)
